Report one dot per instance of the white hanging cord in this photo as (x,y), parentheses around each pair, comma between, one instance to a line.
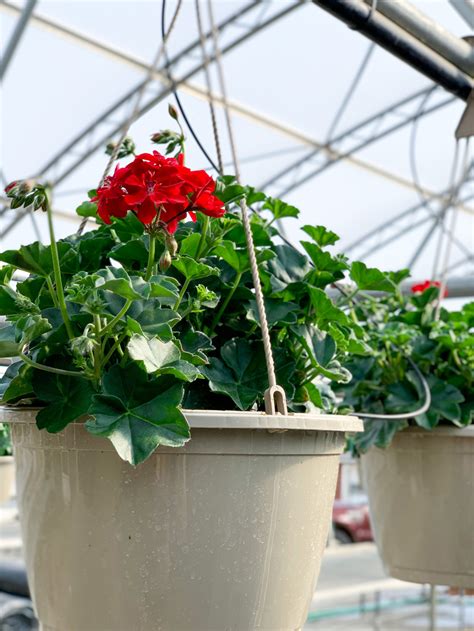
(275,398)
(442,212)
(405,415)
(452,227)
(210,98)
(136,108)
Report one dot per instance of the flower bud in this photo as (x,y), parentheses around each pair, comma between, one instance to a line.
(165,261)
(171,244)
(11,186)
(172,111)
(157,137)
(110,148)
(26,186)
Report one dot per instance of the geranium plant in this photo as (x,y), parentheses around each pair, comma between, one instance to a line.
(404,332)
(153,310)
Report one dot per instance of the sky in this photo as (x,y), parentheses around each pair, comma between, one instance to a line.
(296,73)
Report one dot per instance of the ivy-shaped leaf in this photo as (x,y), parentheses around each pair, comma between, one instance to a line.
(193,270)
(371,278)
(68,399)
(136,419)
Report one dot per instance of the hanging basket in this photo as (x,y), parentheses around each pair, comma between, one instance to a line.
(225,533)
(7,477)
(421,492)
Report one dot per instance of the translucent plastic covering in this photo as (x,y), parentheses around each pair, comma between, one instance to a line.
(290,68)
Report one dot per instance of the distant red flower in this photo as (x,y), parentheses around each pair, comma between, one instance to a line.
(157,188)
(419,288)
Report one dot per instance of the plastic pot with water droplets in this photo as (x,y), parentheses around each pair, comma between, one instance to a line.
(226,533)
(421,496)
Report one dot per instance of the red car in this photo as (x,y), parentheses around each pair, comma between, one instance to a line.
(351,521)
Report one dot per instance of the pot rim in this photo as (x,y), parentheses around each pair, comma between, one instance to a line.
(454,431)
(231,419)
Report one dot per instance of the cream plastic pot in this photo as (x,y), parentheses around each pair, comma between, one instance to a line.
(225,534)
(421,495)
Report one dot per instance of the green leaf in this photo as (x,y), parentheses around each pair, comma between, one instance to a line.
(164,288)
(277,312)
(133,419)
(16,383)
(132,255)
(193,344)
(28,328)
(155,320)
(152,353)
(189,245)
(68,399)
(238,259)
(13,304)
(288,266)
(181,369)
(371,278)
(36,258)
(9,347)
(241,374)
(94,249)
(193,270)
(118,282)
(6,274)
(321,235)
(87,209)
(334,266)
(378,434)
(280,209)
(325,311)
(445,400)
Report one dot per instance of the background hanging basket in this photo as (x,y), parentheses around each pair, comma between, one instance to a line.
(225,533)
(421,491)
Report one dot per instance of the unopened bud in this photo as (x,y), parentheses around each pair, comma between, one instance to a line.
(26,186)
(171,244)
(165,261)
(11,186)
(110,148)
(156,137)
(172,111)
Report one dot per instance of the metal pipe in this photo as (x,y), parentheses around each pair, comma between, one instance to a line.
(465,10)
(16,36)
(454,49)
(357,15)
(457,287)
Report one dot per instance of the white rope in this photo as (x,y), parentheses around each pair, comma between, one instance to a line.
(275,399)
(136,108)
(210,97)
(445,207)
(449,245)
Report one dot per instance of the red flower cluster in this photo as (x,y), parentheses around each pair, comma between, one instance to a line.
(157,188)
(421,287)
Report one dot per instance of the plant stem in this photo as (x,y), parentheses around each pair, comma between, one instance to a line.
(115,347)
(97,349)
(117,318)
(181,293)
(58,371)
(57,271)
(151,257)
(223,306)
(202,240)
(49,282)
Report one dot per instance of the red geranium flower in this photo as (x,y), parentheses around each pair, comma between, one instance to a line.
(419,288)
(157,188)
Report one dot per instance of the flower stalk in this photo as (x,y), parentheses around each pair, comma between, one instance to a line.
(57,268)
